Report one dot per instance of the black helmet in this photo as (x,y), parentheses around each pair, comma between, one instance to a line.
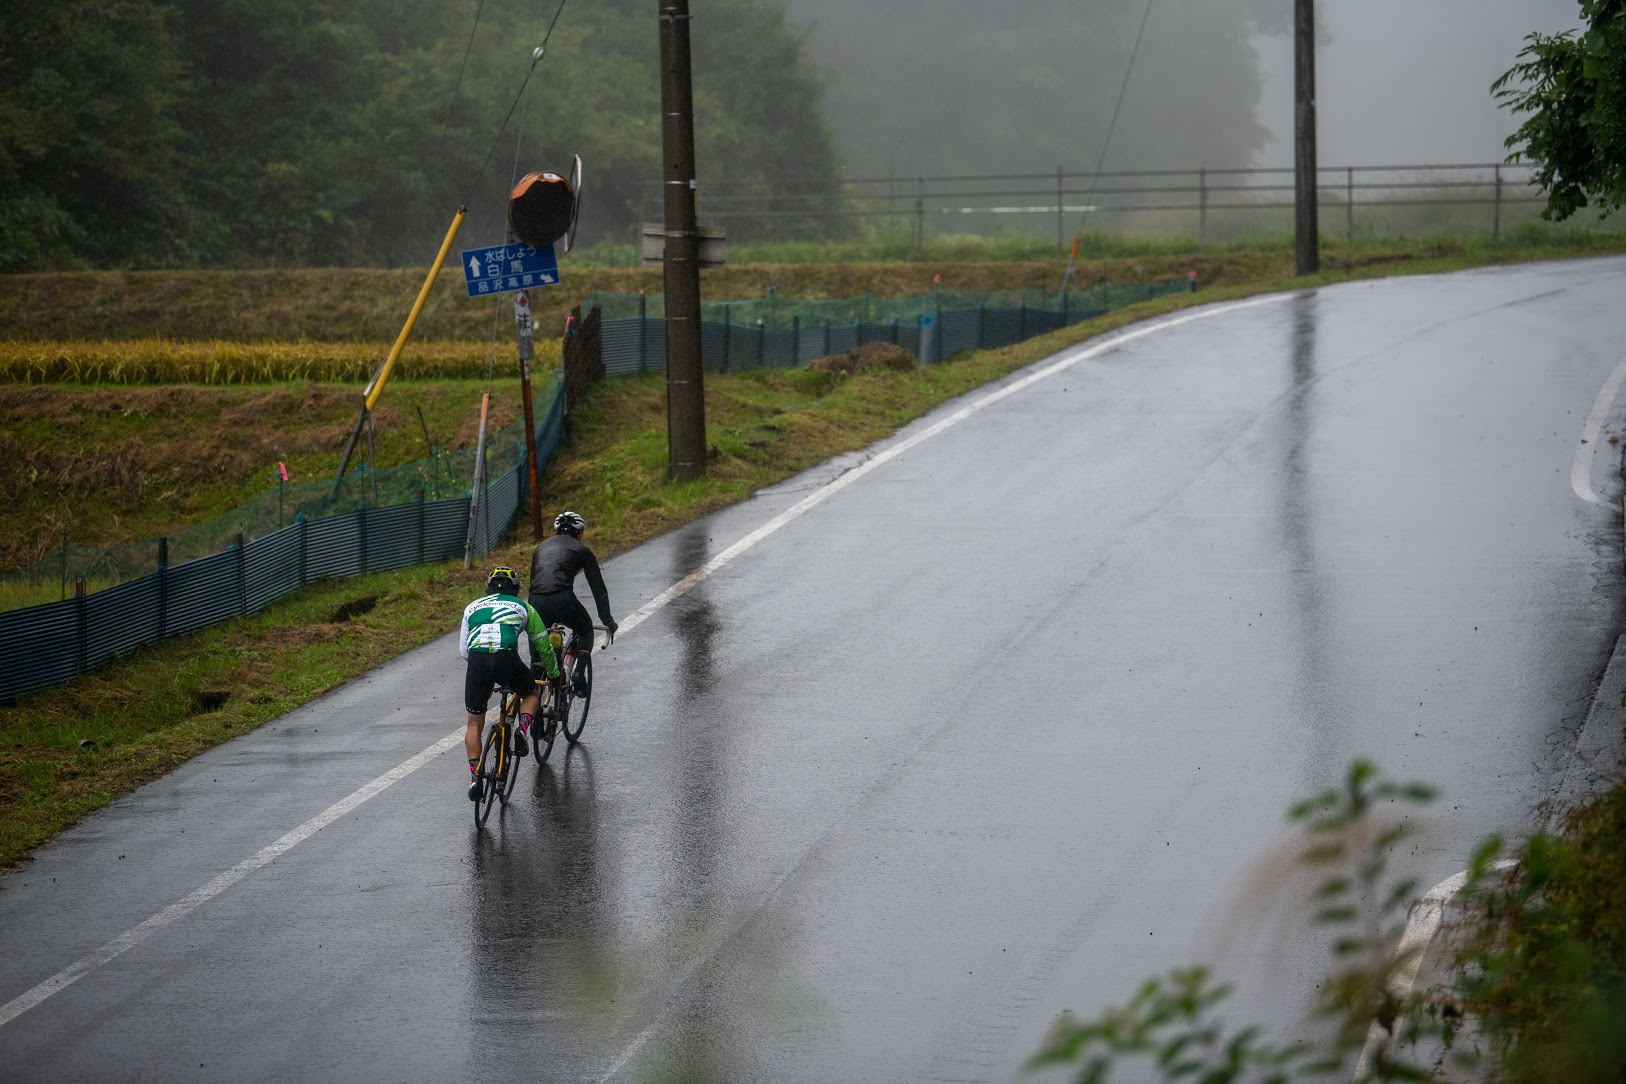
(569,523)
(503,579)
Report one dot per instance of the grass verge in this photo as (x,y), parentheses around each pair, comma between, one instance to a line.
(181,697)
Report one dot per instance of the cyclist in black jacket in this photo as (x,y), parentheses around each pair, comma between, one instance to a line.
(553,577)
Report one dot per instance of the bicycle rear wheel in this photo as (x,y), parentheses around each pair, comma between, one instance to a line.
(573,726)
(486,772)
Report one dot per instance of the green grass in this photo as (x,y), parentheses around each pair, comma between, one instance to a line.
(183,696)
(1544,970)
(103,465)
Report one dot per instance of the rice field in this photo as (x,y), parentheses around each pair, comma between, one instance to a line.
(220,363)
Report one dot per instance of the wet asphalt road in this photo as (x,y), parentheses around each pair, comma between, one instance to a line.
(999,729)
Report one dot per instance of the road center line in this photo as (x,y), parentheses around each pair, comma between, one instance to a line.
(175,911)
(1587,450)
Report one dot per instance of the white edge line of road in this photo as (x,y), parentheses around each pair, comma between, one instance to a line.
(1423,923)
(1587,450)
(136,934)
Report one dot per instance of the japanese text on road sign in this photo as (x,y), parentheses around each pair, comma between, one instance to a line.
(498,269)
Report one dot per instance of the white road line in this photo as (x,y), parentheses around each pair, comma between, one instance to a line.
(1423,923)
(1587,450)
(135,935)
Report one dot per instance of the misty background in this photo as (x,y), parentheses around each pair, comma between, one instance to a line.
(215,133)
(953,86)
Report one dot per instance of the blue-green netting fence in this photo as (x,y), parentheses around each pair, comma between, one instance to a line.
(239,563)
(785,333)
(293,534)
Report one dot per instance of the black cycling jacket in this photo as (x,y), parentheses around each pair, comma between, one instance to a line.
(554,566)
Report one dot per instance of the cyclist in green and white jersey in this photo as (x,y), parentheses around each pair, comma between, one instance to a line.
(489,639)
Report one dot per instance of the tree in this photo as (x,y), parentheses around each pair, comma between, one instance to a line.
(1573,89)
(88,144)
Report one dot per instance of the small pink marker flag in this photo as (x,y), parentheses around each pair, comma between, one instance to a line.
(282,470)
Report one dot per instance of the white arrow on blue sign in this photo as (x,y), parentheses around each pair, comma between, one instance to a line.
(501,268)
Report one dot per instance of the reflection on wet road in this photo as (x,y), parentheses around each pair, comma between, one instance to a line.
(997,730)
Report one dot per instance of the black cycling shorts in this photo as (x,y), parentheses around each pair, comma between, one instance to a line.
(564,608)
(490,668)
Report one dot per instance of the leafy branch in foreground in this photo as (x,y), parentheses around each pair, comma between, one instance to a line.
(1169,1021)
(1573,90)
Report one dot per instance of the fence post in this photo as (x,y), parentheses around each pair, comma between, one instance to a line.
(894,331)
(762,344)
(920,212)
(728,332)
(361,523)
(304,533)
(242,576)
(1349,204)
(826,337)
(1496,221)
(796,341)
(1059,239)
(643,326)
(1202,211)
(64,564)
(163,586)
(79,611)
(982,323)
(419,500)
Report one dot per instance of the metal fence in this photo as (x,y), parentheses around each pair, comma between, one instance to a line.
(785,333)
(1204,202)
(47,644)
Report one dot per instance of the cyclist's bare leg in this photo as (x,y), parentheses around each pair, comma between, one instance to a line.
(471,736)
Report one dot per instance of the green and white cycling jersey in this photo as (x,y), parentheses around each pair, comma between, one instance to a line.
(495,622)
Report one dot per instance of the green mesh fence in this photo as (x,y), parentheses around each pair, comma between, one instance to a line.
(447,474)
(774,312)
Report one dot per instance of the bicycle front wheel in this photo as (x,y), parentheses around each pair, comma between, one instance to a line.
(575,723)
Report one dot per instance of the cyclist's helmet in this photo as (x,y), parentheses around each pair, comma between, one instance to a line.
(569,523)
(503,579)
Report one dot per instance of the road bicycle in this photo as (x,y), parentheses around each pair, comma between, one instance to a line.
(496,769)
(562,709)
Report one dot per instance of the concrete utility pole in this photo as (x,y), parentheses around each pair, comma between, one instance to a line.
(685,390)
(1306,243)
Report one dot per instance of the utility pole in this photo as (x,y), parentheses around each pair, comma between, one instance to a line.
(685,390)
(1306,244)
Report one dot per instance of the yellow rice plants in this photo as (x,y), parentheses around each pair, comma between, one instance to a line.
(163,361)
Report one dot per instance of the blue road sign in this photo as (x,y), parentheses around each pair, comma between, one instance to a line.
(501,268)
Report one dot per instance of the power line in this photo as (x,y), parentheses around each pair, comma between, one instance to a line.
(1117,105)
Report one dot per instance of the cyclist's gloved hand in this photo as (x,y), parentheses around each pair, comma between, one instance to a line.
(610,627)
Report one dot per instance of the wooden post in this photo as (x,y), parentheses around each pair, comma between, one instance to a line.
(685,387)
(476,494)
(527,350)
(1306,220)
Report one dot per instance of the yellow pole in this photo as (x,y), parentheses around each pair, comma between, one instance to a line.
(376,387)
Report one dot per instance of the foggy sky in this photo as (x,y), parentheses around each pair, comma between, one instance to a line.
(1398,81)
(1405,81)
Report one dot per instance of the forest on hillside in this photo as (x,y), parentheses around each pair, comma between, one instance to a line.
(966,87)
(223,133)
